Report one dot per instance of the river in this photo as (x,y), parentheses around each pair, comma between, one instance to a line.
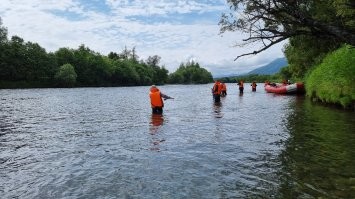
(105,143)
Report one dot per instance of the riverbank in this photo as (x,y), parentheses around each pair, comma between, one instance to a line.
(332,81)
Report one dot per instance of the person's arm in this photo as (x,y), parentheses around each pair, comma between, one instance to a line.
(165,96)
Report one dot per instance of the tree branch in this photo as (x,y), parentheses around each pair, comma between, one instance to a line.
(262,49)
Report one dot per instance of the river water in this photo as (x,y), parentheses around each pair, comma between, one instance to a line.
(104,143)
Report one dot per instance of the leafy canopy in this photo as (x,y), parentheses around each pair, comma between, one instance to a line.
(268,22)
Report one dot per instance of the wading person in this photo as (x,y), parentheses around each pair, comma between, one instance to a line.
(241,86)
(224,90)
(156,100)
(216,91)
(253,86)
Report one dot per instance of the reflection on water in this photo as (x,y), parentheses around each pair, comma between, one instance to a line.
(99,143)
(318,159)
(217,107)
(157,121)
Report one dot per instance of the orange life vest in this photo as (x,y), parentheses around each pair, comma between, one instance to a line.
(241,84)
(224,87)
(217,88)
(253,85)
(155,98)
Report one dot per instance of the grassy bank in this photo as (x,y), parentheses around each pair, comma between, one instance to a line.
(333,80)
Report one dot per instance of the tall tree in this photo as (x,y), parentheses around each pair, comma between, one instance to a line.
(269,22)
(153,60)
(3,33)
(4,72)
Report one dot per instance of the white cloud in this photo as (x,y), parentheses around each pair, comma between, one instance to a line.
(38,21)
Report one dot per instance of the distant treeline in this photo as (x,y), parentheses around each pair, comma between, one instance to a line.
(26,64)
(190,73)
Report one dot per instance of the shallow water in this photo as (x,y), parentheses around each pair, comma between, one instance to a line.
(104,143)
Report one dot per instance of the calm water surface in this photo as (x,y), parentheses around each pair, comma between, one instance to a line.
(104,143)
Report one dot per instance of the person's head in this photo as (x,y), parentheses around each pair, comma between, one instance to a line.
(153,88)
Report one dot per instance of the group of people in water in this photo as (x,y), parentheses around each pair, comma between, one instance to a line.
(219,90)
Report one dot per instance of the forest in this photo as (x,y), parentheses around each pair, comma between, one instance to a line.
(27,65)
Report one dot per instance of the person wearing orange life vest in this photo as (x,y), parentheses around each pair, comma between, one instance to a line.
(156,100)
(224,89)
(253,86)
(241,86)
(216,91)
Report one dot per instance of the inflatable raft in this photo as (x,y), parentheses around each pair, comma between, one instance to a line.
(285,88)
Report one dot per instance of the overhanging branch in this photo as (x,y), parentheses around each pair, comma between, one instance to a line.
(262,49)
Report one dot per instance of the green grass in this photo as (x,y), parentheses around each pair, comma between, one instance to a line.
(333,80)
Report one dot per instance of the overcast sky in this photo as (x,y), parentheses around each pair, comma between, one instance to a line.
(176,30)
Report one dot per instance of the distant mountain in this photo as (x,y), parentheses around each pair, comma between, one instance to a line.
(271,68)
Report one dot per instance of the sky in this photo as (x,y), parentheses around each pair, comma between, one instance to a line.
(176,30)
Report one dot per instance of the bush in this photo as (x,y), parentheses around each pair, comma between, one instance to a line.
(66,76)
(332,81)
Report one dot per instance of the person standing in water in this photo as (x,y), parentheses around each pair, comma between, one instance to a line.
(224,90)
(241,86)
(253,86)
(216,91)
(156,100)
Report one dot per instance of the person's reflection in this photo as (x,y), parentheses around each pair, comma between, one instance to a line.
(157,120)
(217,110)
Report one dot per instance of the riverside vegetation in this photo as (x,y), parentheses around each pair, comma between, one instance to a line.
(27,65)
(317,32)
(333,80)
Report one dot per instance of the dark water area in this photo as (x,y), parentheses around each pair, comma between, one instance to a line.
(105,143)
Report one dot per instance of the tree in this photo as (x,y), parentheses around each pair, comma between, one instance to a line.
(126,53)
(66,75)
(134,57)
(191,73)
(15,60)
(64,55)
(4,73)
(153,60)
(303,52)
(3,33)
(113,55)
(269,22)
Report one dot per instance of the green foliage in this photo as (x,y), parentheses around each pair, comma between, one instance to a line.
(278,20)
(307,50)
(66,76)
(332,81)
(191,73)
(345,11)
(26,64)
(3,33)
(303,52)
